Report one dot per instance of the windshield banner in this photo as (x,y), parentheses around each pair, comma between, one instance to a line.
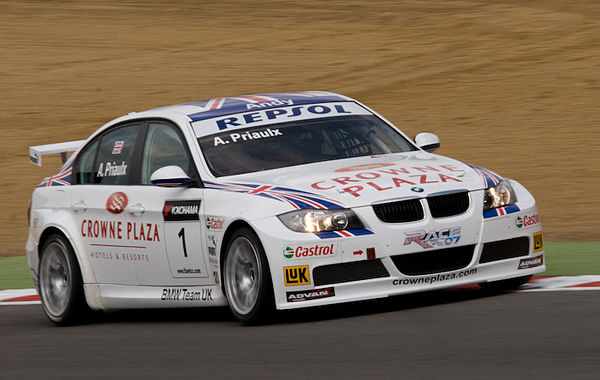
(257,118)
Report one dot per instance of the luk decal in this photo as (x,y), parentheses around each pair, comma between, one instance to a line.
(297,275)
(310,250)
(370,253)
(246,136)
(212,244)
(112,169)
(116,203)
(307,295)
(182,294)
(538,242)
(214,223)
(527,221)
(118,147)
(531,262)
(181,210)
(430,239)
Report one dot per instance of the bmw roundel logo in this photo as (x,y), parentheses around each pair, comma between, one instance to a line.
(417,189)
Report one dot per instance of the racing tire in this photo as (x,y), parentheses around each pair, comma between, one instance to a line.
(60,283)
(247,278)
(505,285)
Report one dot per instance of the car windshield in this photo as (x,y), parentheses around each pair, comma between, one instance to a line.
(300,142)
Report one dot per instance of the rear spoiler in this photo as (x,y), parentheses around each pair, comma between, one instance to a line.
(36,152)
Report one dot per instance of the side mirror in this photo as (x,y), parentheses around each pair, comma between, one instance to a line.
(427,141)
(169,176)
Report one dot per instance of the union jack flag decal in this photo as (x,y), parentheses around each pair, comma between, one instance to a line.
(296,198)
(63,178)
(489,177)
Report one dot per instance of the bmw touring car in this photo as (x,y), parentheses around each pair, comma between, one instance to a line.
(265,202)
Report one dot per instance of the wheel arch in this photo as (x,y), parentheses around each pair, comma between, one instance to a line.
(234,226)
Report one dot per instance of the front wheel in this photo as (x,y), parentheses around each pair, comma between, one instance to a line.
(503,285)
(247,278)
(60,283)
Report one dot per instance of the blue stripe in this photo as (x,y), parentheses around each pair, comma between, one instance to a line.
(361,231)
(511,208)
(490,213)
(327,235)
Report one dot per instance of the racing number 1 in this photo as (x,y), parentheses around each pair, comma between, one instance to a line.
(181,234)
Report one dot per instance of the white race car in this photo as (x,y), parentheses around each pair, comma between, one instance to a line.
(263,202)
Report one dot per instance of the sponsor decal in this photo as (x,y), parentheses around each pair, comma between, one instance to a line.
(182,294)
(246,136)
(357,168)
(390,178)
(310,250)
(212,245)
(531,262)
(370,253)
(525,221)
(120,256)
(117,230)
(307,295)
(279,114)
(34,158)
(181,210)
(118,147)
(273,103)
(429,239)
(297,275)
(433,279)
(538,242)
(112,169)
(213,223)
(116,203)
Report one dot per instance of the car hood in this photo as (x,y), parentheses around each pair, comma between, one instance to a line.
(362,181)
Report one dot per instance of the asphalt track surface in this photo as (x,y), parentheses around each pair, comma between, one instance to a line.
(458,334)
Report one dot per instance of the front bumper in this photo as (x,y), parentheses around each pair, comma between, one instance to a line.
(489,248)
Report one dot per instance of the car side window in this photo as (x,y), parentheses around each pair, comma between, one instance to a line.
(163,147)
(84,169)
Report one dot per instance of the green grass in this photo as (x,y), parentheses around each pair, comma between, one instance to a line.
(562,259)
(14,273)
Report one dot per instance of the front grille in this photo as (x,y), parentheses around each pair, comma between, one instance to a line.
(449,204)
(346,272)
(505,249)
(399,212)
(428,262)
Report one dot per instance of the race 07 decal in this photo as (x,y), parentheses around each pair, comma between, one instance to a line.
(430,239)
(181,210)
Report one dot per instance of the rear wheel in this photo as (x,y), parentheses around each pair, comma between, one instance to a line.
(247,278)
(61,286)
(502,285)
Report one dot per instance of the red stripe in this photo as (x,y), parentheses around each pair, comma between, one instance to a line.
(594,284)
(216,103)
(117,246)
(34,297)
(259,189)
(255,98)
(344,233)
(501,211)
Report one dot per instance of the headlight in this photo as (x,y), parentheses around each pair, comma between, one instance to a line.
(309,220)
(499,196)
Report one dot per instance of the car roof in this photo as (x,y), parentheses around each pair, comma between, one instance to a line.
(205,109)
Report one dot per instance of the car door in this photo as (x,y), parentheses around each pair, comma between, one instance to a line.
(181,258)
(100,195)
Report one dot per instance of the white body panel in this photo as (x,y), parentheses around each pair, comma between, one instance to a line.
(144,262)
